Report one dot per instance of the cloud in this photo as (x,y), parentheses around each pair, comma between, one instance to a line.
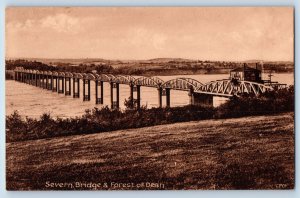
(60,22)
(145,37)
(18,26)
(159,41)
(208,33)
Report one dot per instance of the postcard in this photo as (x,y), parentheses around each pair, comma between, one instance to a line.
(149,98)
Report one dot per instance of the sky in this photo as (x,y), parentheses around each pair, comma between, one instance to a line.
(128,33)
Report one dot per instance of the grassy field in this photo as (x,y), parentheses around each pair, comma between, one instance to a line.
(242,153)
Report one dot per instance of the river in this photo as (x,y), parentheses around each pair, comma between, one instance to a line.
(33,101)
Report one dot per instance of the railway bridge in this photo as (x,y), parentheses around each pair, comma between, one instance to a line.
(199,93)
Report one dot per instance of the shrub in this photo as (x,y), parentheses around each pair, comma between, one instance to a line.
(106,119)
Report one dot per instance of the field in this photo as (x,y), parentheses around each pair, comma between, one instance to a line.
(241,153)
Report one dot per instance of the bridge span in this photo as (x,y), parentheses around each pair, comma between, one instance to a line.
(199,93)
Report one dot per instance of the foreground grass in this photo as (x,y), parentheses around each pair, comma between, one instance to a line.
(241,153)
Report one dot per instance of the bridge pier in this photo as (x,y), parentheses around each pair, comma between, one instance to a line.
(168,94)
(115,104)
(86,96)
(67,86)
(34,81)
(19,76)
(118,95)
(99,100)
(203,99)
(131,97)
(16,75)
(31,79)
(60,85)
(76,84)
(138,96)
(160,94)
(45,82)
(24,77)
(38,80)
(50,83)
(54,83)
(41,81)
(191,96)
(28,78)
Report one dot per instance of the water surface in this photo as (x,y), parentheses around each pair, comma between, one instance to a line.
(33,101)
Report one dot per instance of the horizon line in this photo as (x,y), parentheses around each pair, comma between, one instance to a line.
(116,59)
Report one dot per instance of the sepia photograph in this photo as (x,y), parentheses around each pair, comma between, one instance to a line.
(149,98)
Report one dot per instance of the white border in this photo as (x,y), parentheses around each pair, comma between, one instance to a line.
(174,194)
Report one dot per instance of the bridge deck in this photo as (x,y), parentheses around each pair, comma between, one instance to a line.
(223,87)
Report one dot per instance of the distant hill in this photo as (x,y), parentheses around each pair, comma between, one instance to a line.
(170,59)
(268,62)
(156,66)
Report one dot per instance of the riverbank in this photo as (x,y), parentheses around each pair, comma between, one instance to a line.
(105,119)
(182,72)
(254,152)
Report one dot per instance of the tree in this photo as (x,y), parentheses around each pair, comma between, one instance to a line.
(130,103)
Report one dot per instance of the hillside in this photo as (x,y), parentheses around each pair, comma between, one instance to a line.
(242,153)
(151,67)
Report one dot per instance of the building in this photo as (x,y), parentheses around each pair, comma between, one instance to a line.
(246,73)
